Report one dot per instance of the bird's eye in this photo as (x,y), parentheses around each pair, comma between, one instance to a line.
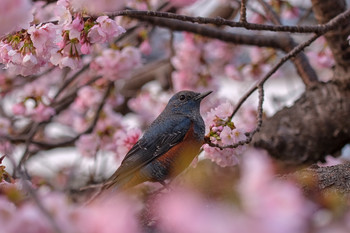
(182,97)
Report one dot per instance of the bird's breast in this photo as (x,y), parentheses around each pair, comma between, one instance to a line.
(178,158)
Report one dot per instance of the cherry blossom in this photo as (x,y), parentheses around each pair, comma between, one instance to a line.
(186,211)
(42,112)
(88,145)
(4,126)
(125,140)
(266,198)
(90,220)
(104,30)
(14,15)
(87,97)
(19,109)
(222,131)
(115,64)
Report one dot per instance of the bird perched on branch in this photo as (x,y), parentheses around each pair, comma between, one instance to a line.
(167,147)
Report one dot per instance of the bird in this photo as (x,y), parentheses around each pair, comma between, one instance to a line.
(167,147)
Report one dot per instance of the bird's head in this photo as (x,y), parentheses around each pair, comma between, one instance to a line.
(186,102)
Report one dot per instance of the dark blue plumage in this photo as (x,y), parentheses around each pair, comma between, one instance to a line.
(167,147)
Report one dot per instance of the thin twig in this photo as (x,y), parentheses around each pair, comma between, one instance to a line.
(70,80)
(249,135)
(243,17)
(289,55)
(271,13)
(321,28)
(301,63)
(28,140)
(259,85)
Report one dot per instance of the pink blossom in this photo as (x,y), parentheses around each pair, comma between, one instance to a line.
(114,64)
(29,218)
(114,214)
(6,147)
(5,125)
(110,119)
(88,144)
(18,63)
(247,118)
(145,47)
(62,12)
(97,7)
(230,136)
(85,48)
(96,34)
(42,113)
(30,56)
(14,15)
(19,109)
(79,123)
(277,206)
(105,30)
(322,59)
(291,12)
(70,62)
(7,212)
(43,12)
(187,54)
(29,60)
(87,97)
(232,72)
(4,52)
(148,106)
(257,54)
(330,161)
(66,61)
(218,52)
(223,111)
(185,211)
(184,80)
(124,140)
(223,158)
(75,28)
(45,39)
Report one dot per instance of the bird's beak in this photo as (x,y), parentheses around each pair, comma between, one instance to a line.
(203,95)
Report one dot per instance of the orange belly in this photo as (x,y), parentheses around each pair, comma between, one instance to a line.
(182,154)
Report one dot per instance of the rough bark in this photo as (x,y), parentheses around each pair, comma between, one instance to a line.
(333,178)
(316,125)
(319,122)
(337,39)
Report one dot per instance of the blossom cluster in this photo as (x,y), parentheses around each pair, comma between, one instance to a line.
(223,132)
(33,50)
(109,134)
(258,202)
(14,15)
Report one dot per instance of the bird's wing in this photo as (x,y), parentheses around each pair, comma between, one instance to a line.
(154,143)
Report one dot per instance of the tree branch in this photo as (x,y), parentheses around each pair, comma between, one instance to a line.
(315,126)
(321,28)
(259,85)
(216,33)
(304,69)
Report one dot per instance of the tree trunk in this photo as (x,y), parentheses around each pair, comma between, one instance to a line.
(318,123)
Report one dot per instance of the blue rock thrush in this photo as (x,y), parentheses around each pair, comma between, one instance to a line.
(167,147)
